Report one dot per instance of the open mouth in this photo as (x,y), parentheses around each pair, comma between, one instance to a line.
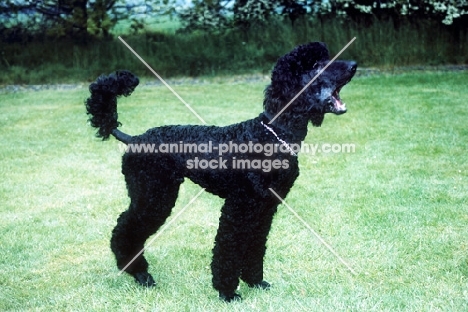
(341,73)
(338,107)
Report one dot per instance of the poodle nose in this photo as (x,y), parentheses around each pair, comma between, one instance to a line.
(352,66)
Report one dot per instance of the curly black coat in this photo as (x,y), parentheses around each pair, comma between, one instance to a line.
(153,179)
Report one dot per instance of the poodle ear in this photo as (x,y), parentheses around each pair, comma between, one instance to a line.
(317,119)
(299,61)
(308,55)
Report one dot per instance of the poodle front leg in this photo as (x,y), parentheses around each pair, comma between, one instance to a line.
(252,263)
(227,256)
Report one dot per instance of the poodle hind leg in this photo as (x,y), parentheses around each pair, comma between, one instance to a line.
(151,203)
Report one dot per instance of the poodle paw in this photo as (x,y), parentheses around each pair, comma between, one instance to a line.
(262,285)
(230,297)
(144,279)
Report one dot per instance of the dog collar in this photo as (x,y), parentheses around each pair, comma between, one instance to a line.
(279,139)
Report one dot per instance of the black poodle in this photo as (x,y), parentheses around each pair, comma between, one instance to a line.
(239,163)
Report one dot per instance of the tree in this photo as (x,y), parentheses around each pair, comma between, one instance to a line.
(294,9)
(58,18)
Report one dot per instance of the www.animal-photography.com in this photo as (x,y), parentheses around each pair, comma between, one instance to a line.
(233,155)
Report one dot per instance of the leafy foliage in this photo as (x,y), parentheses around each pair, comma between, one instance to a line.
(51,18)
(444,11)
(205,15)
(81,18)
(218,14)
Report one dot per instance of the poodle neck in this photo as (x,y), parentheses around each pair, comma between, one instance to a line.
(293,131)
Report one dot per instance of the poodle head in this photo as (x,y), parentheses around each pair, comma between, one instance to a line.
(300,80)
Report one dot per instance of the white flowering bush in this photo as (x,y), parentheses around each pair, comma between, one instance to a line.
(445,11)
(223,13)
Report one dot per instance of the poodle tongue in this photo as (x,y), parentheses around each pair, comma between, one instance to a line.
(338,106)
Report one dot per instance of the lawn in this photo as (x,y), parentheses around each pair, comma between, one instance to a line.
(395,208)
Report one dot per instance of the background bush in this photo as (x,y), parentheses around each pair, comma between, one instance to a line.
(249,37)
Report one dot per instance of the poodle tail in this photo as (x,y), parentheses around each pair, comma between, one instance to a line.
(102,104)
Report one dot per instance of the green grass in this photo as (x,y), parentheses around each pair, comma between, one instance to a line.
(395,209)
